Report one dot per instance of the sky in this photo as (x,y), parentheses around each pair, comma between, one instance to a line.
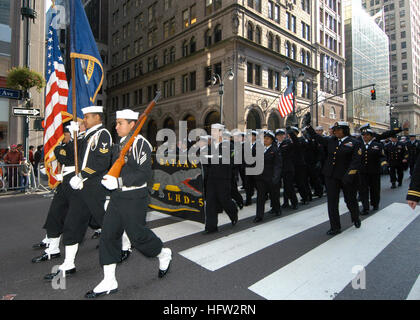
(47,5)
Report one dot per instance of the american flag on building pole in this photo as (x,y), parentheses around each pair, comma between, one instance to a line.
(286,101)
(55,104)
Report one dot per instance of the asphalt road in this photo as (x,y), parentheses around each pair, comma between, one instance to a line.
(390,274)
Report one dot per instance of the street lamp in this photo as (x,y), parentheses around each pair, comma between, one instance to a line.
(216,77)
(287,70)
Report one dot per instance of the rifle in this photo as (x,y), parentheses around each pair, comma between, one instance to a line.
(116,168)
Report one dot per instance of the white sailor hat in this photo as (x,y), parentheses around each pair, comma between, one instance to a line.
(280,131)
(227,133)
(127,114)
(254,132)
(217,126)
(319,128)
(93,109)
(295,129)
(340,124)
(237,133)
(367,131)
(365,126)
(205,137)
(268,133)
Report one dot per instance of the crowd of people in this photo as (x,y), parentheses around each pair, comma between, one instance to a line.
(16,169)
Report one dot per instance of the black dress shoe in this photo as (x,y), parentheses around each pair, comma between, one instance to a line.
(248,203)
(393,186)
(365,212)
(333,232)
(256,219)
(375,208)
(94,295)
(304,202)
(240,205)
(45,257)
(399,184)
(96,235)
(210,231)
(125,254)
(234,221)
(285,205)
(357,223)
(51,276)
(41,245)
(294,207)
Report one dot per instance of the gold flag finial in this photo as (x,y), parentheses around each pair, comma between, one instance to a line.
(53,4)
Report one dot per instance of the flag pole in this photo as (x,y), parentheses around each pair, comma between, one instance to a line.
(73,83)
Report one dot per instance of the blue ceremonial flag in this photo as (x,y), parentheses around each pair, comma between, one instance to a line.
(89,72)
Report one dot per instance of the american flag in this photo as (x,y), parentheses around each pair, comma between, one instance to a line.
(286,101)
(55,104)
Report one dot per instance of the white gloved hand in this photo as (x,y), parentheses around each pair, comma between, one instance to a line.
(74,126)
(59,177)
(76,183)
(110,182)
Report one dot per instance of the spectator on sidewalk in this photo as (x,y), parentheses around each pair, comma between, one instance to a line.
(13,157)
(24,173)
(31,155)
(37,159)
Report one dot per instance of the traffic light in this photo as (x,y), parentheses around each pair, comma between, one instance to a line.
(373,94)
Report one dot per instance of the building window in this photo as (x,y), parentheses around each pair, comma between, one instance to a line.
(308,59)
(270,41)
(249,72)
(277,81)
(208,75)
(293,52)
(184,48)
(250,31)
(287,47)
(207,38)
(270,79)
(185,18)
(257,75)
(217,34)
(192,45)
(270,9)
(302,56)
(184,83)
(172,55)
(192,81)
(155,62)
(333,114)
(258,35)
(277,46)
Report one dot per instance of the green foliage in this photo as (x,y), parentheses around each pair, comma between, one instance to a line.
(21,78)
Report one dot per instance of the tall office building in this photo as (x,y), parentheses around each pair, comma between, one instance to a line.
(367,63)
(329,33)
(177,46)
(402,25)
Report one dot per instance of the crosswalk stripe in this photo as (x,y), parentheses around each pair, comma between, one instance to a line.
(154,215)
(187,227)
(325,271)
(415,291)
(221,252)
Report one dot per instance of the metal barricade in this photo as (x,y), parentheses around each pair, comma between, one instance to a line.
(17,177)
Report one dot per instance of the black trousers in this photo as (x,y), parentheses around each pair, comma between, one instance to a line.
(235,193)
(243,176)
(59,208)
(264,188)
(219,196)
(289,188)
(86,203)
(127,211)
(333,195)
(412,166)
(396,173)
(300,178)
(370,185)
(250,187)
(314,181)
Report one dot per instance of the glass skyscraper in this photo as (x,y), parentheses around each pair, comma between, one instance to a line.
(367,62)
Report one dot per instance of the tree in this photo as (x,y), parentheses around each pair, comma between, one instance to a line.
(22,78)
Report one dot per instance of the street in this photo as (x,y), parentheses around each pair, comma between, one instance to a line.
(286,257)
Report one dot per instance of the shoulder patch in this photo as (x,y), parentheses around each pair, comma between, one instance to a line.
(63,152)
(359,152)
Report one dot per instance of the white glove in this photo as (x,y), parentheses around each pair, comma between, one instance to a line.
(59,177)
(110,182)
(76,183)
(74,126)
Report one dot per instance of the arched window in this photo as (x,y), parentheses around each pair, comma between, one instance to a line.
(155,62)
(184,48)
(191,123)
(149,64)
(277,46)
(250,31)
(207,38)
(287,47)
(258,35)
(273,122)
(293,52)
(302,56)
(192,45)
(165,56)
(323,110)
(217,34)
(169,124)
(333,114)
(172,55)
(270,40)
(308,59)
(253,120)
(211,118)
